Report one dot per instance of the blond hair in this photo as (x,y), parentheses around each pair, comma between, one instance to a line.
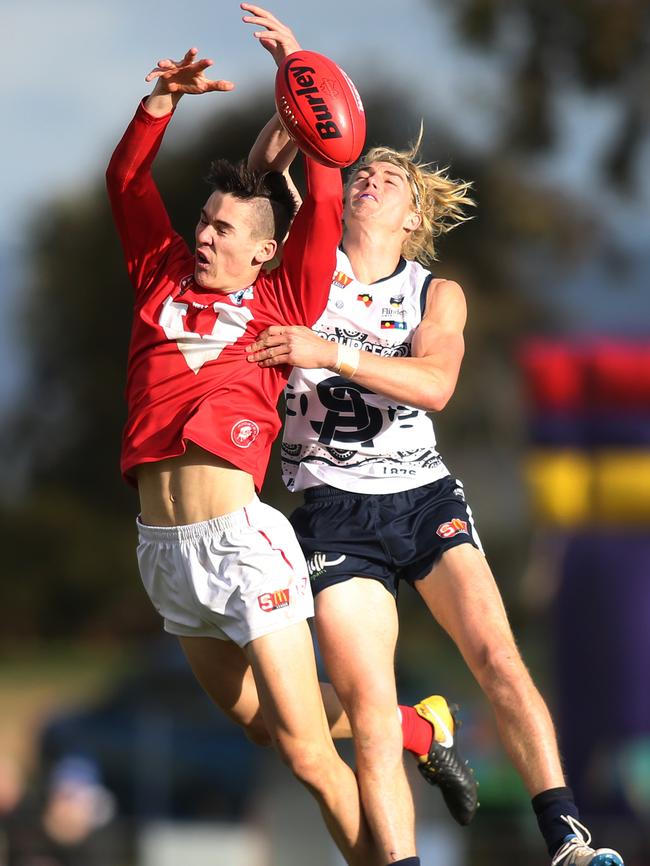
(438,199)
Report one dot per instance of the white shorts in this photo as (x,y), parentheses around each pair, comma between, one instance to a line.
(235,577)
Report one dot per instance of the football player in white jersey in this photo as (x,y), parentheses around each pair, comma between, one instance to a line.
(376,513)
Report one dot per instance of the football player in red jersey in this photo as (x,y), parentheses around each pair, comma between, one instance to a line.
(380,507)
(224,570)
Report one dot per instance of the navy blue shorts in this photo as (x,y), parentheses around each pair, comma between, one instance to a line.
(388,536)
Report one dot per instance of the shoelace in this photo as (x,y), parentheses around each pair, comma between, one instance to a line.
(583,839)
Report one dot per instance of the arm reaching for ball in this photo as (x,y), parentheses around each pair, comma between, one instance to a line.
(273,149)
(175,77)
(277,38)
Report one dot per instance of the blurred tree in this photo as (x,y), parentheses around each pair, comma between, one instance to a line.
(590,45)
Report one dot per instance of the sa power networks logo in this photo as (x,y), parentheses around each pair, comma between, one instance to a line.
(270,601)
(244,433)
(452,527)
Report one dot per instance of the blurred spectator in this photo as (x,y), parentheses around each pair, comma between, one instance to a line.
(74,825)
(12,788)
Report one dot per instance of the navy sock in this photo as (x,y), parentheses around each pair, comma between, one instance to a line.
(549,807)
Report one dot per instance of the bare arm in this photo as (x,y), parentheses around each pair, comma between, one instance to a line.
(273,149)
(426,380)
(138,210)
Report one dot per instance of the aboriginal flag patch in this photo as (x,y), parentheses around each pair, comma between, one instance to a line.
(391,324)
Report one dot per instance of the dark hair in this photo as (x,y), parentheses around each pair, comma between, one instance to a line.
(246,184)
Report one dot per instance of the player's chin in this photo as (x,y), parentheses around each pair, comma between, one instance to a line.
(352,213)
(201,276)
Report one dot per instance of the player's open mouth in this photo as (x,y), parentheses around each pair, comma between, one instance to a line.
(366,196)
(201,259)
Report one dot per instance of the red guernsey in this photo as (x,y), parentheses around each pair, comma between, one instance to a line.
(188,378)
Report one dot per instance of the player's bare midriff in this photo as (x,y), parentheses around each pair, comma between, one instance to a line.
(193,487)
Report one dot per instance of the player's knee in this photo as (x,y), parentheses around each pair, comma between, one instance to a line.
(377,732)
(307,761)
(501,666)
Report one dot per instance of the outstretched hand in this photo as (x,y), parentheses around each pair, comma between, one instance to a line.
(185,76)
(292,344)
(277,38)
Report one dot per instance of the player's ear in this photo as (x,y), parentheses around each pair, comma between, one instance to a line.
(413,221)
(265,251)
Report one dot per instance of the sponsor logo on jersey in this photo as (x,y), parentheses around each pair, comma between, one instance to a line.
(341,280)
(318,562)
(365,298)
(348,418)
(270,601)
(392,313)
(359,340)
(397,301)
(452,527)
(392,325)
(244,433)
(186,281)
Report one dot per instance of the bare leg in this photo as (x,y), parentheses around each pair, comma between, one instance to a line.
(357,629)
(462,595)
(283,669)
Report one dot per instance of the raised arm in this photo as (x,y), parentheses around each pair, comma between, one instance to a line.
(305,275)
(425,380)
(175,77)
(138,210)
(274,150)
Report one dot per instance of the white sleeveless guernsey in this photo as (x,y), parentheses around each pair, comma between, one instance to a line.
(336,431)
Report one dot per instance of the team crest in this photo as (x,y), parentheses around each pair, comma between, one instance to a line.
(397,301)
(244,433)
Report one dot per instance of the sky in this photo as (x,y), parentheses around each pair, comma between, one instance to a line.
(73,71)
(70,94)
